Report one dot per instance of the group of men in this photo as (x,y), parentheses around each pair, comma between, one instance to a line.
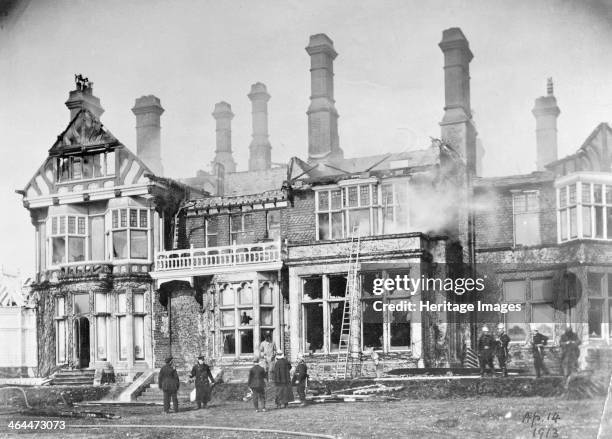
(269,364)
(490,347)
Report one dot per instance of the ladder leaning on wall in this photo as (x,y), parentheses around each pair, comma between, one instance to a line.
(350,303)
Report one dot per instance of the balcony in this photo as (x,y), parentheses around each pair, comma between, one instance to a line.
(223,259)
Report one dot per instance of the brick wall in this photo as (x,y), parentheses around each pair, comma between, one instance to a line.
(298,221)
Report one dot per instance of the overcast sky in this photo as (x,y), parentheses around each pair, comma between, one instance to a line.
(389,77)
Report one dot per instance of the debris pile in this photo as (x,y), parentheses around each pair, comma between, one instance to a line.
(371,393)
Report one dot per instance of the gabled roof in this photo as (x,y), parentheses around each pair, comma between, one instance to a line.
(85,131)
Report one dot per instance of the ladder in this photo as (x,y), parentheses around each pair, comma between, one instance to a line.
(350,303)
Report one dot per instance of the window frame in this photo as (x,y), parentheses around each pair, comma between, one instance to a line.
(54,233)
(526,212)
(107,167)
(128,228)
(599,202)
(61,319)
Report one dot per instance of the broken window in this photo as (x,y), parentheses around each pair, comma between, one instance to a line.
(313,288)
(84,167)
(395,207)
(130,235)
(273,223)
(313,327)
(526,212)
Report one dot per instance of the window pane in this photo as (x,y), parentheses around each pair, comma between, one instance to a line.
(123,349)
(597,193)
(594,283)
(62,225)
(246,317)
(313,327)
(608,194)
(520,203)
(71,225)
(572,194)
(273,224)
(227,296)
(516,325)
(115,219)
(266,317)
(59,250)
(236,223)
(573,222)
(542,290)
(81,303)
(97,165)
(586,193)
(101,303)
(610,289)
(359,222)
(229,343)
(228,318)
(133,218)
(324,226)
(337,225)
(372,326)
(88,166)
(121,303)
(599,213)
(337,287)
(138,299)
(527,229)
(110,163)
(143,219)
(101,338)
(81,225)
(265,294)
(120,245)
(313,288)
(139,352)
(586,221)
(364,195)
(54,225)
(400,328)
(123,214)
(542,315)
(245,295)
(60,307)
(514,290)
(76,168)
(595,317)
(563,224)
(61,341)
(609,224)
(246,341)
(336,199)
(76,249)
(367,284)
(139,245)
(323,200)
(96,238)
(336,310)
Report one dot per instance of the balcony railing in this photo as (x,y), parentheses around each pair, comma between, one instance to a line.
(224,256)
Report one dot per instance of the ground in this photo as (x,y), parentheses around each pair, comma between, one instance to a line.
(484,417)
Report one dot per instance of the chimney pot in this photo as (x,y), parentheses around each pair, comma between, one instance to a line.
(82,97)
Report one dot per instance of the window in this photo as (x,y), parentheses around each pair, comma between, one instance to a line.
(382,329)
(122,325)
(211,231)
(68,238)
(60,329)
(536,299)
(237,225)
(599,287)
(526,211)
(84,167)
(102,325)
(81,304)
(243,312)
(342,211)
(395,207)
(130,233)
(273,224)
(585,211)
(139,319)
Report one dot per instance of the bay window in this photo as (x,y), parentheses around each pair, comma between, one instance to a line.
(130,236)
(68,239)
(599,286)
(584,210)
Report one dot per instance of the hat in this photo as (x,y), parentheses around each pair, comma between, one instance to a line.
(169,359)
(280,354)
(201,357)
(485,329)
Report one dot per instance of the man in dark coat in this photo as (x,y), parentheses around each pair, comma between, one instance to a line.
(299,377)
(537,346)
(203,379)
(281,375)
(257,383)
(570,351)
(169,383)
(486,350)
(501,348)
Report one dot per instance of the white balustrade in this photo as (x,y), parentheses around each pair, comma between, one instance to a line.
(229,255)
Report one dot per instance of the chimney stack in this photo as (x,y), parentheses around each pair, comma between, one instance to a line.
(223,153)
(82,97)
(323,142)
(457,126)
(260,155)
(148,110)
(546,112)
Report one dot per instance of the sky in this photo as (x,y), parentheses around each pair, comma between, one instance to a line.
(388,77)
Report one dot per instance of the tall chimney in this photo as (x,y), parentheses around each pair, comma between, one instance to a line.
(148,110)
(260,155)
(82,97)
(323,142)
(223,153)
(457,126)
(546,112)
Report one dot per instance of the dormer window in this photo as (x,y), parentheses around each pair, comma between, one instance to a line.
(86,166)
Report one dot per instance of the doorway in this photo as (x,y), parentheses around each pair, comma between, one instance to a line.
(81,342)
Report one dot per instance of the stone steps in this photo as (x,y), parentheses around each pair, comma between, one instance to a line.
(84,377)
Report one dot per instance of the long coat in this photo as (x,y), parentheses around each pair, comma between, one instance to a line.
(168,379)
(282,372)
(257,377)
(202,374)
(301,373)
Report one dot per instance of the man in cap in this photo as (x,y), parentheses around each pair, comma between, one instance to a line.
(570,351)
(538,342)
(300,377)
(203,381)
(501,348)
(257,383)
(282,380)
(169,383)
(486,348)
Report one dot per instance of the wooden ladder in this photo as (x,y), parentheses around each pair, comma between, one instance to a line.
(350,303)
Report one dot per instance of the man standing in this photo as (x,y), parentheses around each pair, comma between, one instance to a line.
(486,346)
(169,383)
(300,376)
(257,383)
(570,351)
(537,346)
(203,379)
(282,381)
(267,350)
(501,348)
